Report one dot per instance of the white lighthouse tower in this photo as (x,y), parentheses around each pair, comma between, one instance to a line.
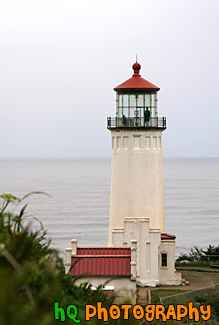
(136,200)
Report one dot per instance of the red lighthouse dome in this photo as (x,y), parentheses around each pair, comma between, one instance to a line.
(136,82)
(136,67)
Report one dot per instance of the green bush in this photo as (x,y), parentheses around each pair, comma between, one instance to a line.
(199,257)
(32,275)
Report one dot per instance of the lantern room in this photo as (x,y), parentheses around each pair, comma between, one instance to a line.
(136,104)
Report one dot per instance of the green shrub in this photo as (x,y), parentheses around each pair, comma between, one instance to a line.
(199,257)
(32,275)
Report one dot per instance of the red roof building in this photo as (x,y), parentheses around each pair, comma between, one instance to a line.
(112,268)
(104,261)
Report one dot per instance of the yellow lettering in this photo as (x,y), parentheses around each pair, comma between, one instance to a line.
(182,311)
(193,310)
(149,312)
(126,311)
(88,314)
(138,312)
(102,311)
(114,312)
(171,312)
(160,311)
(206,312)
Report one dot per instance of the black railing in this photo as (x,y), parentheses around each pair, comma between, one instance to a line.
(136,122)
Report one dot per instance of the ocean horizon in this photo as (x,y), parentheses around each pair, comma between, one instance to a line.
(79,189)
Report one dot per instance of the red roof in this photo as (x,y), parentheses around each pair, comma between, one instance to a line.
(101,265)
(102,261)
(167,236)
(136,82)
(103,251)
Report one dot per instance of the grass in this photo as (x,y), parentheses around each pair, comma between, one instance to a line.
(157,293)
(197,268)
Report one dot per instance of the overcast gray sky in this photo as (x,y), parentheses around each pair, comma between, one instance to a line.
(60,60)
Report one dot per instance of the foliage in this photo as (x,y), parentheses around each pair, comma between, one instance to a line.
(213,301)
(32,275)
(213,252)
(198,255)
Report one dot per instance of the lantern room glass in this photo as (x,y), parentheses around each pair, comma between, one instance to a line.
(134,104)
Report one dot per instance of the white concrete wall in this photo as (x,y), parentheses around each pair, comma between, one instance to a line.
(168,274)
(125,289)
(136,178)
(147,244)
(149,271)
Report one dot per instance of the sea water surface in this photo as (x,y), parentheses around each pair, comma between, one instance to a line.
(78,206)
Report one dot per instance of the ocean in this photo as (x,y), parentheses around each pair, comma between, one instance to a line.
(79,196)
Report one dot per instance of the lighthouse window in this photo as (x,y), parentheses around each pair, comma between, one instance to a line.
(164,259)
(126,111)
(132,100)
(147,100)
(133,105)
(120,100)
(140,100)
(153,100)
(141,110)
(152,112)
(126,100)
(120,112)
(133,112)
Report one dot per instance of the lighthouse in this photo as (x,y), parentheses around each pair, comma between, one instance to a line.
(136,156)
(139,250)
(136,198)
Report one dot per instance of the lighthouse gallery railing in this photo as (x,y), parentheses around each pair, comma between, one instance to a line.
(139,122)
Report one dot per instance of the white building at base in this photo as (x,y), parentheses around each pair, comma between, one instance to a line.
(113,268)
(154,252)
